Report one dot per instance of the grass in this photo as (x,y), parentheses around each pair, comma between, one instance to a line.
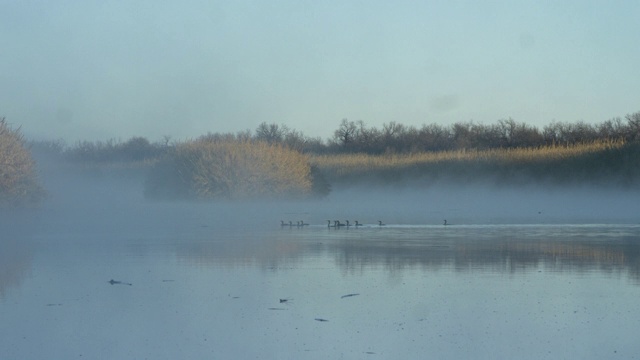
(602,161)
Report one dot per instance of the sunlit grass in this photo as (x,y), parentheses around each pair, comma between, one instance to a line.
(550,162)
(345,163)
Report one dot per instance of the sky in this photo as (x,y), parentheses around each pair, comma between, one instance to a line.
(95,70)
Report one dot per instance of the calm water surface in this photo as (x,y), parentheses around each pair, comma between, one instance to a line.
(204,284)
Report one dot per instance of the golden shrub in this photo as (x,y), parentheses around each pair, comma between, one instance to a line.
(18,181)
(231,169)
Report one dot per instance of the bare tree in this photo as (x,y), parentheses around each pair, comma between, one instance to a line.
(271,133)
(634,125)
(346,133)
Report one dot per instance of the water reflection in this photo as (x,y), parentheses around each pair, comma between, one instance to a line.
(203,290)
(15,263)
(499,249)
(16,248)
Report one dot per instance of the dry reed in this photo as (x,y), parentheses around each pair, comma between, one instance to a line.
(560,162)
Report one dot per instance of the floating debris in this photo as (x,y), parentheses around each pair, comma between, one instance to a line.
(272,308)
(115,282)
(284,300)
(320,319)
(348,295)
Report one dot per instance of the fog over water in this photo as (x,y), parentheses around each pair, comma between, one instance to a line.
(520,273)
(72,189)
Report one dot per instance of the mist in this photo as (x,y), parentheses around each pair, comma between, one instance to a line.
(92,196)
(482,250)
(151,278)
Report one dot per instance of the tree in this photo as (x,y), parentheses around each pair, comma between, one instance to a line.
(634,125)
(346,133)
(271,133)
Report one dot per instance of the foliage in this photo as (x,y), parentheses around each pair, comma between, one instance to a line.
(225,168)
(18,180)
(254,164)
(393,138)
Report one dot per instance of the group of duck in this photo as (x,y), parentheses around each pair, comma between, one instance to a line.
(337,223)
(291,224)
(334,224)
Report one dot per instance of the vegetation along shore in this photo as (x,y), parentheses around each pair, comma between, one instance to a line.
(275,161)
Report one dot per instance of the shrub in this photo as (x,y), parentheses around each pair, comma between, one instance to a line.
(18,181)
(210,168)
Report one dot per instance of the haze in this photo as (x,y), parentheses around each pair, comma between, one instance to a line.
(104,197)
(99,70)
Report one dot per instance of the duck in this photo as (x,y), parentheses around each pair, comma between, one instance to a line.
(302,223)
(329,224)
(338,223)
(282,223)
(347,225)
(445,223)
(380,223)
(358,224)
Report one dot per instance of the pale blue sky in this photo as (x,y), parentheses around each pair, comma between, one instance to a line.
(101,69)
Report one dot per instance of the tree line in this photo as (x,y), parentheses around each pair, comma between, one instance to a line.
(394,137)
(391,138)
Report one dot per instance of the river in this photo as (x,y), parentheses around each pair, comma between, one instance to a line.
(228,281)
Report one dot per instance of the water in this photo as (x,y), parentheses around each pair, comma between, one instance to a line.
(206,284)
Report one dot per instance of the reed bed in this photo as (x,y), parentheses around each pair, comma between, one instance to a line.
(559,163)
